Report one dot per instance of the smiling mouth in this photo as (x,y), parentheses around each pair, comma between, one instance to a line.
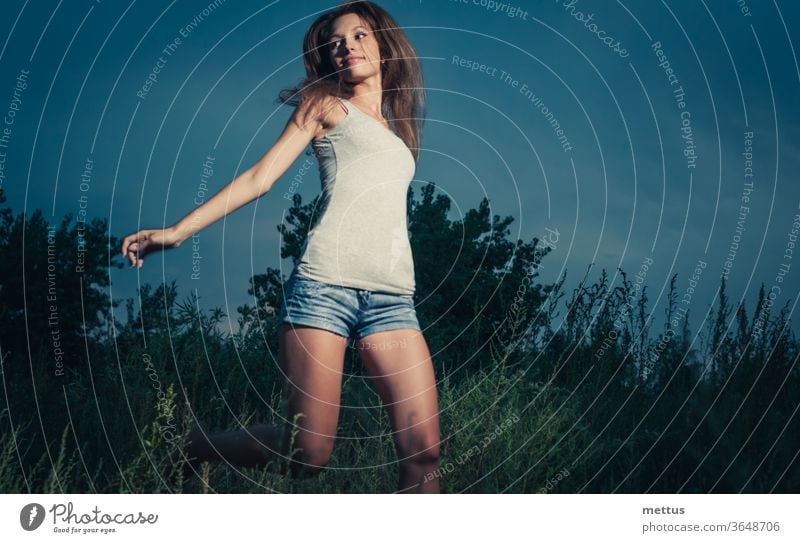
(353,61)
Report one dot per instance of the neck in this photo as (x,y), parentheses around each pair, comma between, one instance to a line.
(369,95)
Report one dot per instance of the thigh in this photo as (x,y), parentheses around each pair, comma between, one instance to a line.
(399,365)
(312,360)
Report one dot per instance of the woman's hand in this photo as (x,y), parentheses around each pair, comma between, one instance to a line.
(144,242)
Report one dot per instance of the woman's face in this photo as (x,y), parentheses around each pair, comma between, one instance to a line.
(354,50)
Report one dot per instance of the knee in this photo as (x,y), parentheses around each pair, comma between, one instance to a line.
(310,459)
(422,448)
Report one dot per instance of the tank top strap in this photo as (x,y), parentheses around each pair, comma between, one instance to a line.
(341,103)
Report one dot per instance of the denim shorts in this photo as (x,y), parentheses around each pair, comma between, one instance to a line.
(346,311)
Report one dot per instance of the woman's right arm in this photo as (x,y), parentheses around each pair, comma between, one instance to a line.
(251,184)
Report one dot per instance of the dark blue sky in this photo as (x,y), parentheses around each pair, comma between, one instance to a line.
(616,183)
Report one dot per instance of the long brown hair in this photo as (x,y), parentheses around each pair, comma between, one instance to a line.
(403,98)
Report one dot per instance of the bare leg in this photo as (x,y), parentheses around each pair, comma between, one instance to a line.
(402,374)
(312,360)
(249,447)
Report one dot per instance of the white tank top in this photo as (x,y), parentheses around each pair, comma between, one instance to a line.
(359,233)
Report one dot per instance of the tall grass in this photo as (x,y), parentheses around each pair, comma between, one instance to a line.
(542,415)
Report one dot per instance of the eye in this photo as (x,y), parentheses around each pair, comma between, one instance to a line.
(338,42)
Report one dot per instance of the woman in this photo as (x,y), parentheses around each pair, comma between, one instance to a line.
(355,277)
